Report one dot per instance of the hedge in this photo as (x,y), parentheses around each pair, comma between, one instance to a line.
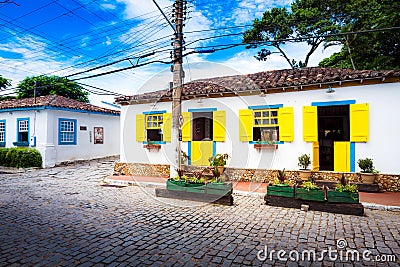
(20,157)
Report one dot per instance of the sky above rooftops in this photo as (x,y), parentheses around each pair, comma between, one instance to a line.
(66,37)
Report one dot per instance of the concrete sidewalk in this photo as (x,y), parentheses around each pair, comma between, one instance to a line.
(385,201)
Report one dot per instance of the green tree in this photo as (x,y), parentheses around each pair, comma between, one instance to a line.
(307,21)
(51,85)
(4,83)
(354,25)
(368,50)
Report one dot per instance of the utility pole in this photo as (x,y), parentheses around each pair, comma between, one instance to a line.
(177,87)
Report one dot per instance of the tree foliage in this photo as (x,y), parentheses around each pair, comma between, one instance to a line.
(51,85)
(332,22)
(4,83)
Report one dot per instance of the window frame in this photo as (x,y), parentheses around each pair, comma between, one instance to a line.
(60,141)
(3,133)
(18,129)
(266,108)
(158,127)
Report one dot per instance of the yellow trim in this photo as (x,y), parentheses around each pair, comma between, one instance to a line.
(140,129)
(310,124)
(286,124)
(315,158)
(219,125)
(265,118)
(359,122)
(186,127)
(167,127)
(201,152)
(341,158)
(154,121)
(245,125)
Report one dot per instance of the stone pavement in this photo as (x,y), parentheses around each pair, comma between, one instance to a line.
(63,217)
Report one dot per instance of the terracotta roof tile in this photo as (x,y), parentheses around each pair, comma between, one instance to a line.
(53,101)
(266,80)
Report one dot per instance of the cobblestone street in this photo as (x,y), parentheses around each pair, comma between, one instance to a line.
(63,217)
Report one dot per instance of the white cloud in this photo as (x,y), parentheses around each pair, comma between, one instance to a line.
(135,8)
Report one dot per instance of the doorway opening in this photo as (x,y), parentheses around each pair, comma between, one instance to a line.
(202,129)
(333,125)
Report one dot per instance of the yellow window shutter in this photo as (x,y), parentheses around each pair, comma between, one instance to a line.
(140,129)
(167,127)
(186,127)
(359,122)
(341,156)
(315,158)
(245,125)
(310,124)
(219,124)
(286,124)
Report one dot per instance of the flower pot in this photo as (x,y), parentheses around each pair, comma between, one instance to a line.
(305,175)
(281,191)
(368,178)
(221,169)
(342,197)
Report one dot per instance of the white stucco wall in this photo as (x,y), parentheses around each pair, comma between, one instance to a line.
(383,144)
(44,125)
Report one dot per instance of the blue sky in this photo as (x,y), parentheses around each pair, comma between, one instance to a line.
(66,37)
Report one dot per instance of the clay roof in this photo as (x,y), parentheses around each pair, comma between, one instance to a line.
(267,81)
(53,101)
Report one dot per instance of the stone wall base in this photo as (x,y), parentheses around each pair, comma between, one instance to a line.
(386,182)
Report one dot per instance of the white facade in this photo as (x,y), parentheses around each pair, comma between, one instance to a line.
(44,133)
(382,146)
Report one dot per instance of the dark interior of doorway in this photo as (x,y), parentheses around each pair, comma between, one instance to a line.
(202,129)
(333,125)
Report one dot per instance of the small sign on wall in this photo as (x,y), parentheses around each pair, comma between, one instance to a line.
(98,135)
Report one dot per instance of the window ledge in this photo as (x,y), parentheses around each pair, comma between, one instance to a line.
(2,144)
(261,146)
(26,143)
(152,146)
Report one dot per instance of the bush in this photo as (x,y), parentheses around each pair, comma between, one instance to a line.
(20,157)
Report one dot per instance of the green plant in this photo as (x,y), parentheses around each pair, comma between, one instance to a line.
(184,157)
(351,188)
(20,157)
(309,185)
(367,166)
(345,186)
(304,161)
(281,178)
(218,160)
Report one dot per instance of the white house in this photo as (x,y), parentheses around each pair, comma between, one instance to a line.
(61,129)
(336,115)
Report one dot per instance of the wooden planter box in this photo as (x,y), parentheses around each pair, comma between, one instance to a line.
(195,188)
(176,185)
(220,189)
(342,197)
(152,147)
(281,191)
(312,195)
(265,146)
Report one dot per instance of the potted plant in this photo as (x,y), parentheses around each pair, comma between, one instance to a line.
(281,186)
(310,191)
(304,162)
(219,161)
(184,157)
(368,172)
(344,192)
